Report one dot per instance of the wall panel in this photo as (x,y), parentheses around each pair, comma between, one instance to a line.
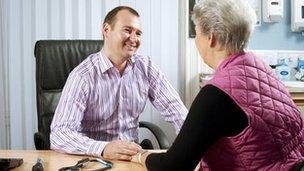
(97,19)
(16,79)
(4,88)
(68,19)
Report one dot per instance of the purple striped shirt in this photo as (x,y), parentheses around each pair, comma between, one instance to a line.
(99,105)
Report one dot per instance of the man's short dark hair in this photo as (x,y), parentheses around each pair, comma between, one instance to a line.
(111,16)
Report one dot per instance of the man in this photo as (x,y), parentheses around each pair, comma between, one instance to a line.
(100,104)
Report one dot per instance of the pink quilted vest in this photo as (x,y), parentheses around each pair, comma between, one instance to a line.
(274,138)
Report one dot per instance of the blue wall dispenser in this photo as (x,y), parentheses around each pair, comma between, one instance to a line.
(300,69)
(283,69)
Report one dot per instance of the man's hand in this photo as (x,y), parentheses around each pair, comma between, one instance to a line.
(121,150)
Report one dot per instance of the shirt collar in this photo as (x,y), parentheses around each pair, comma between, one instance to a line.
(106,64)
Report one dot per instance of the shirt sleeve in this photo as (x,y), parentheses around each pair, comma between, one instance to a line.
(65,133)
(213,115)
(165,99)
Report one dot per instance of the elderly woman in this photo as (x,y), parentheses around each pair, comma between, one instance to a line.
(243,118)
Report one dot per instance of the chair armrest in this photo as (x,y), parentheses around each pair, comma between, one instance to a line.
(40,141)
(160,136)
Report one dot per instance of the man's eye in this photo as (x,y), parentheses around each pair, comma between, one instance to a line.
(138,34)
(127,30)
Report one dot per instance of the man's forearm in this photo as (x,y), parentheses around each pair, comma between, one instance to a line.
(75,143)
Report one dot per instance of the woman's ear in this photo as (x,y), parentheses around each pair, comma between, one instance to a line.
(212,40)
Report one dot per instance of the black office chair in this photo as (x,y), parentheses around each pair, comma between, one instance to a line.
(55,59)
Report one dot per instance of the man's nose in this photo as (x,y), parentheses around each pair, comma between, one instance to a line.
(133,36)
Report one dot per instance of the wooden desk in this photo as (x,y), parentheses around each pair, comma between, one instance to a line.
(298,98)
(52,160)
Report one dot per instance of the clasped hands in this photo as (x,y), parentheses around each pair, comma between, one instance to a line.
(123,150)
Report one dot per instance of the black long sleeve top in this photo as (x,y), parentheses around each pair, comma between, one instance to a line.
(213,115)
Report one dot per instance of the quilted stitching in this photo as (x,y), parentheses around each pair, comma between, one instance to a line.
(275,127)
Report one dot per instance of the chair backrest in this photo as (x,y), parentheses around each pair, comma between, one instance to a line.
(55,59)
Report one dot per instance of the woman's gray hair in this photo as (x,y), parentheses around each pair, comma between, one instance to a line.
(231,21)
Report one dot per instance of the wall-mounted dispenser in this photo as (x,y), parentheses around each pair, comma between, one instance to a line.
(297,15)
(272,10)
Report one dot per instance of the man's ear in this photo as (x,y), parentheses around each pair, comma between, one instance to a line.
(105,29)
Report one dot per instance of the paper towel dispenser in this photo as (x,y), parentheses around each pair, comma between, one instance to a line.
(297,15)
(272,10)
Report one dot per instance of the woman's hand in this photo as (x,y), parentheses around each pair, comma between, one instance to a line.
(140,157)
(136,158)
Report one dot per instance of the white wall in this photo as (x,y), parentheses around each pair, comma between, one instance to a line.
(191,63)
(30,20)
(4,119)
